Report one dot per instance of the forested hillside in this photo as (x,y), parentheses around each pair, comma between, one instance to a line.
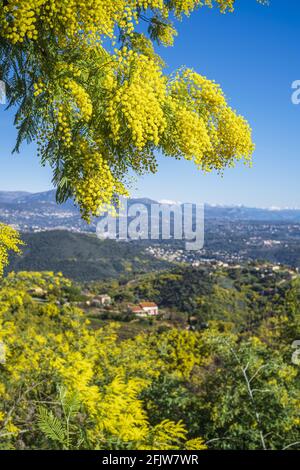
(82,257)
(243,295)
(67,384)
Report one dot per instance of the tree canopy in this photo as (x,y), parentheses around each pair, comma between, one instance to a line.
(9,241)
(67,385)
(90,89)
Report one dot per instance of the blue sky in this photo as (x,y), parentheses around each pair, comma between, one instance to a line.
(253,53)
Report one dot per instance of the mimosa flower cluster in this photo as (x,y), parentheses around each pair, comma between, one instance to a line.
(98,115)
(9,242)
(22,19)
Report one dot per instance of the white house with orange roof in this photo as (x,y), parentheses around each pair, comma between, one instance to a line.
(144,309)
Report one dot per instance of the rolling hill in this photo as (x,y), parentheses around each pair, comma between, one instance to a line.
(82,257)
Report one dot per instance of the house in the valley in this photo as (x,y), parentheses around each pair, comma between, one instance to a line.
(144,309)
(136,310)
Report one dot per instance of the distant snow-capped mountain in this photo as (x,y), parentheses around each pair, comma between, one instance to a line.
(39,211)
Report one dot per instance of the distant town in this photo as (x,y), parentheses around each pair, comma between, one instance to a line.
(233,235)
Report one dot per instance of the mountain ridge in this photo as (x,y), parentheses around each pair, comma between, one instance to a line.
(40,211)
(23,197)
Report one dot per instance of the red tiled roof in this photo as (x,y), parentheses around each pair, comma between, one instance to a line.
(148,304)
(135,309)
(140,307)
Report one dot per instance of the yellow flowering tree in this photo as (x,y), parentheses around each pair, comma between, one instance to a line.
(98,113)
(9,241)
(66,386)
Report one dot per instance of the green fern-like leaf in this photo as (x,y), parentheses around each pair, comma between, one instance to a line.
(70,402)
(51,426)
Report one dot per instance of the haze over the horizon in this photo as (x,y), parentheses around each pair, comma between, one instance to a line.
(253,54)
(19,195)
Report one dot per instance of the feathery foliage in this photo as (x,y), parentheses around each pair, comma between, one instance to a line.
(9,241)
(99,113)
(64,385)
